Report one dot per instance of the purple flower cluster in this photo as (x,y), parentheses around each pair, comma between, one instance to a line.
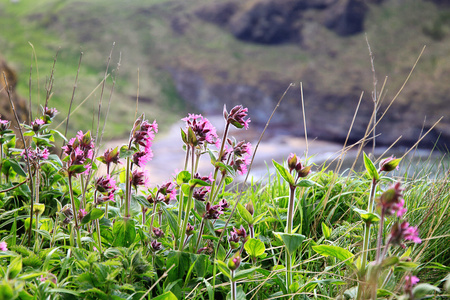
(106,186)
(143,140)
(139,178)
(166,193)
(80,151)
(36,125)
(294,163)
(213,212)
(392,201)
(403,232)
(49,114)
(35,155)
(237,116)
(237,155)
(4,125)
(203,130)
(3,246)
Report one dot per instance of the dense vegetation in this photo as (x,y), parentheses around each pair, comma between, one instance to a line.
(70,231)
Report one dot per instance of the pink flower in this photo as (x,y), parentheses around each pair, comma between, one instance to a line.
(237,116)
(392,201)
(389,164)
(3,246)
(4,125)
(140,178)
(203,129)
(107,187)
(403,232)
(37,124)
(80,151)
(81,213)
(141,158)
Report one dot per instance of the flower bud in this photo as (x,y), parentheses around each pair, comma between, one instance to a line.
(292,161)
(249,208)
(234,262)
(389,164)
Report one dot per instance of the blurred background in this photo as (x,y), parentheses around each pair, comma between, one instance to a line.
(195,56)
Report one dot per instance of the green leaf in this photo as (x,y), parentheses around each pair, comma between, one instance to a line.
(166,296)
(326,231)
(77,169)
(389,261)
(142,200)
(245,214)
(198,182)
(171,218)
(223,268)
(306,183)
(192,138)
(370,167)
(17,168)
(125,152)
(366,216)
(284,173)
(94,214)
(183,177)
(335,251)
(14,267)
(423,289)
(254,247)
(292,241)
(124,232)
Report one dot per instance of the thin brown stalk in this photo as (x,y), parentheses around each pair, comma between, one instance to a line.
(37,74)
(71,99)
(374,95)
(14,186)
(137,95)
(49,87)
(102,91)
(26,153)
(304,119)
(30,108)
(156,282)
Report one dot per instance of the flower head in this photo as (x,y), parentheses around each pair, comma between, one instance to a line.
(212,211)
(3,246)
(389,164)
(81,213)
(157,232)
(4,125)
(37,124)
(235,261)
(237,116)
(139,178)
(199,130)
(80,151)
(392,201)
(106,186)
(155,245)
(110,156)
(403,232)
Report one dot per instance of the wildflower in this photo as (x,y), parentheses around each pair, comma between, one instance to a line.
(240,233)
(141,158)
(4,125)
(139,178)
(410,282)
(81,213)
(209,248)
(67,212)
(168,192)
(233,240)
(145,135)
(240,165)
(212,211)
(35,154)
(50,112)
(201,193)
(157,232)
(392,201)
(403,231)
(234,262)
(107,187)
(37,125)
(236,116)
(223,204)
(294,163)
(389,164)
(110,156)
(189,229)
(80,151)
(202,130)
(3,246)
(155,245)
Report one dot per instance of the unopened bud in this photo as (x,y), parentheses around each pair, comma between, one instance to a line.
(234,262)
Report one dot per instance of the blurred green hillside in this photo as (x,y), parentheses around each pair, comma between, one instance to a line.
(157,38)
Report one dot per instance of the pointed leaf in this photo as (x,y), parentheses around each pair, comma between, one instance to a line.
(366,216)
(245,214)
(292,241)
(284,173)
(370,167)
(335,251)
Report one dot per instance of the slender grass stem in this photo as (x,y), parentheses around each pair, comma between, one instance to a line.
(74,210)
(233,286)
(153,216)
(200,233)
(186,218)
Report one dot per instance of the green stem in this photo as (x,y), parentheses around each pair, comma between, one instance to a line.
(202,226)
(367,226)
(1,163)
(233,286)
(186,218)
(222,146)
(127,190)
(290,212)
(153,216)
(99,236)
(74,211)
(288,270)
